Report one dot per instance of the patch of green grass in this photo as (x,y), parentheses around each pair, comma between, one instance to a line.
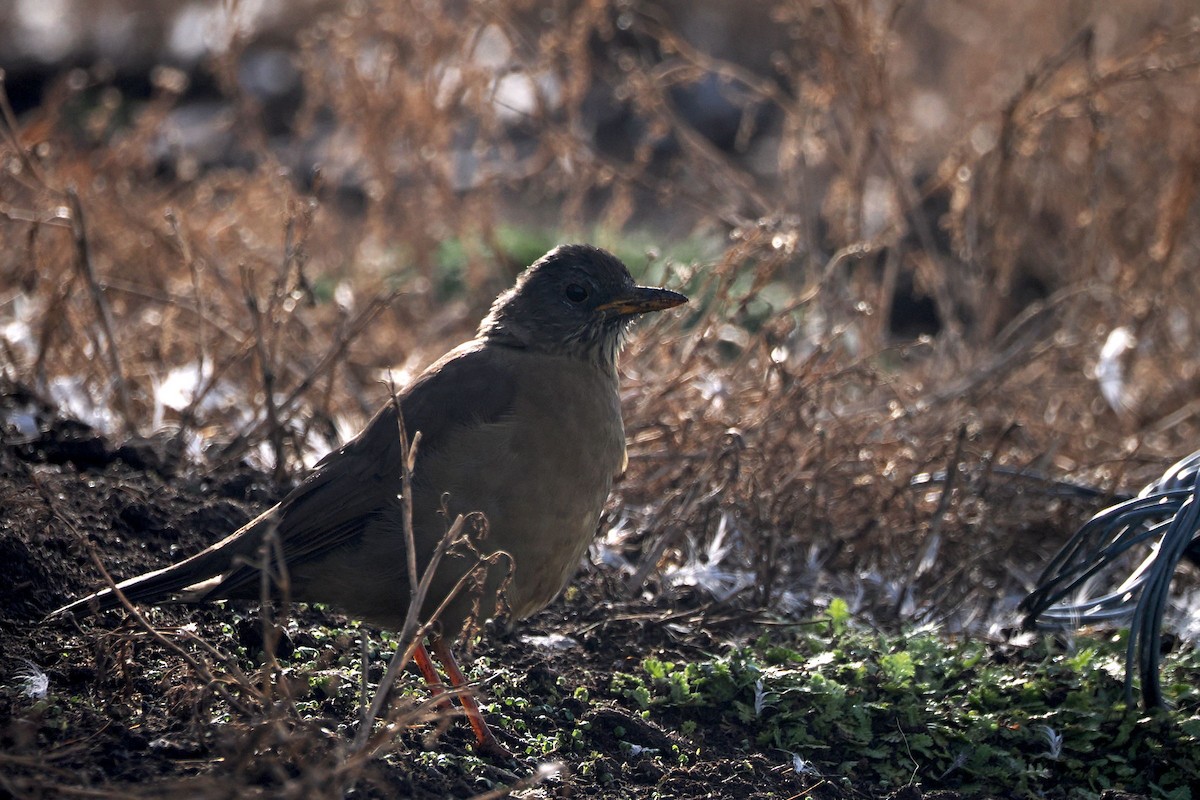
(957,714)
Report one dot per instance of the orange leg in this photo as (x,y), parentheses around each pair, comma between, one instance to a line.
(428,671)
(485,740)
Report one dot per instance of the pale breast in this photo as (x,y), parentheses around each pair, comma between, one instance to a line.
(542,475)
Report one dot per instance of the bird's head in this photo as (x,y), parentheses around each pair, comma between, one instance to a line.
(576,300)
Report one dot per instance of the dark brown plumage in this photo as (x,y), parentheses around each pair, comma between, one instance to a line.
(521,423)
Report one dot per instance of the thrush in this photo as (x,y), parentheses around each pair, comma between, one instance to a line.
(522,424)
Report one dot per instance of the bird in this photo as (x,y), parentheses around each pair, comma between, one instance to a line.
(520,425)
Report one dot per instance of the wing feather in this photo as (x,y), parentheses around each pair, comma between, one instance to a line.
(348,489)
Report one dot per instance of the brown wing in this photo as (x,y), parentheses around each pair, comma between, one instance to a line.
(351,485)
(346,489)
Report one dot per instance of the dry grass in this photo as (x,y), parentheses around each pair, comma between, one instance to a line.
(1058,204)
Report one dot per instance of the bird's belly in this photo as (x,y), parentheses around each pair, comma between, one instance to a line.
(547,547)
(542,485)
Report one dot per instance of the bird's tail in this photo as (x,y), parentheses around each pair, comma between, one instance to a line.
(192,580)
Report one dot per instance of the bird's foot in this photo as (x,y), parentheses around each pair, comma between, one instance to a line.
(486,744)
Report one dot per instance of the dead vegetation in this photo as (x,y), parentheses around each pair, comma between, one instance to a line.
(883,291)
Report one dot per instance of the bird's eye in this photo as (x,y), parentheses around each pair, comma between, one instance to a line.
(576,293)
